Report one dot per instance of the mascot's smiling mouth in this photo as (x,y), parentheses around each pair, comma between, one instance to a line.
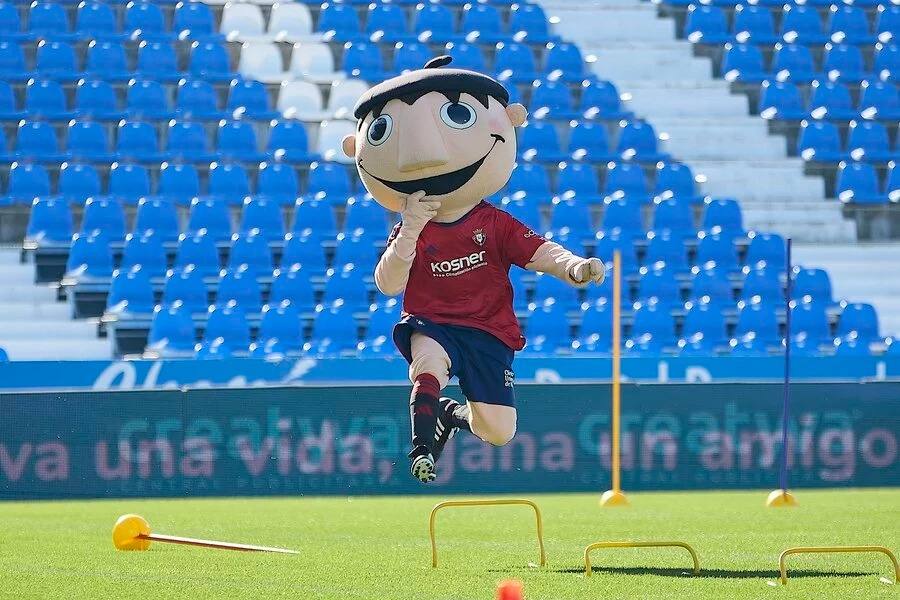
(438,185)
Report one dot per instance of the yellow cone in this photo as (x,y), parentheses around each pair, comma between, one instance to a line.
(126,530)
(780,499)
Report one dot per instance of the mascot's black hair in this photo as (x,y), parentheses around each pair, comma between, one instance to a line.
(434,77)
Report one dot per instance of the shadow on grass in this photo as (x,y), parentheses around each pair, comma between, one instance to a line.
(716,573)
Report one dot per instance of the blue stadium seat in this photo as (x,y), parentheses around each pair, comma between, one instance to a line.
(280,327)
(529,182)
(658,285)
(578,181)
(196,99)
(148,99)
(262,215)
(146,21)
(209,61)
(743,63)
(238,285)
(857,183)
(96,98)
(49,20)
(26,182)
(564,61)
(800,24)
(409,56)
(346,284)
(879,100)
(237,141)
(548,287)
(11,24)
(315,215)
(178,183)
(893,182)
(229,322)
(850,346)
(623,215)
(551,100)
(706,25)
(528,23)
(767,247)
(588,142)
(339,22)
(363,61)
(718,248)
(595,332)
(185,286)
(194,20)
(387,23)
(572,218)
(538,142)
(277,182)
(198,249)
(674,216)
(130,292)
(144,249)
(820,141)
(724,213)
(860,321)
(228,183)
(809,323)
(514,63)
(334,330)
(868,141)
(466,56)
(637,141)
(844,63)
(664,246)
(37,141)
(45,99)
(291,283)
(12,62)
(482,24)
(652,331)
(214,349)
(887,22)
(762,282)
(610,240)
(251,248)
(365,214)
(77,183)
(756,329)
(600,100)
(626,181)
(710,284)
(158,216)
(187,141)
(49,222)
(303,249)
(107,60)
(248,98)
(547,329)
(849,25)
(811,285)
(157,60)
(288,142)
(171,331)
(128,183)
(434,23)
(357,248)
(8,106)
(329,182)
(780,100)
(830,100)
(382,318)
(57,60)
(793,62)
(137,141)
(212,216)
(528,213)
(754,24)
(102,214)
(703,330)
(89,257)
(87,142)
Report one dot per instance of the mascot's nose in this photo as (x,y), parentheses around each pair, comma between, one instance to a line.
(420,145)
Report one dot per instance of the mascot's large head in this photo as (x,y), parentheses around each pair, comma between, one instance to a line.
(447,132)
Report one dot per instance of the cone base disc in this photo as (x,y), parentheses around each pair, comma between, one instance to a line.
(781,499)
(613,498)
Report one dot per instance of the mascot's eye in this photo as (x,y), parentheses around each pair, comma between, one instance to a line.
(380,130)
(458,115)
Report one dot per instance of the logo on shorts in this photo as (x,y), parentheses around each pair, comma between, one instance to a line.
(479,237)
(509,378)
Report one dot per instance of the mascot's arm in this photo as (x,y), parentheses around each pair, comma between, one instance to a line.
(392,270)
(552,258)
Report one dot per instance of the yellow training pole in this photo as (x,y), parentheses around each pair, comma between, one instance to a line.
(615,497)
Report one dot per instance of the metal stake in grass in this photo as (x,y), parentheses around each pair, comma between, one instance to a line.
(782,497)
(132,532)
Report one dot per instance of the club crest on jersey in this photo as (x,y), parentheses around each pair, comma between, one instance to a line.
(479,237)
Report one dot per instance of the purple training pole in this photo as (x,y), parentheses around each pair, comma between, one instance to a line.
(787,371)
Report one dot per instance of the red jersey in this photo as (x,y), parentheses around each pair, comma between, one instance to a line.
(460,274)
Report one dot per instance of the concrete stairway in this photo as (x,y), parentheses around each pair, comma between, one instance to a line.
(700,121)
(34,325)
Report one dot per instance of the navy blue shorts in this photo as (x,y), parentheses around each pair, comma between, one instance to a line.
(482,363)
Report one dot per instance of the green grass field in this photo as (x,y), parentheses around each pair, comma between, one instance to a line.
(378,548)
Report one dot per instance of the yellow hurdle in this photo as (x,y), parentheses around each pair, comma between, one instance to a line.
(594,546)
(510,502)
(835,549)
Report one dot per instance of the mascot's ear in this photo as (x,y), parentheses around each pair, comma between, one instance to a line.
(349,145)
(517,114)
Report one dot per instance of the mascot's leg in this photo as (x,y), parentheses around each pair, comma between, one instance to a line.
(429,373)
(493,423)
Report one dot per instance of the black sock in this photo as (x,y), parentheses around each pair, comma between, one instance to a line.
(423,409)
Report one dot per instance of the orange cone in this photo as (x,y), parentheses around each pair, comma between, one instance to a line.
(510,589)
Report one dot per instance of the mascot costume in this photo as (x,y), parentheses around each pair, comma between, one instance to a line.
(432,144)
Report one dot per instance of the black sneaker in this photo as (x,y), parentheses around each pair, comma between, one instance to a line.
(422,465)
(444,430)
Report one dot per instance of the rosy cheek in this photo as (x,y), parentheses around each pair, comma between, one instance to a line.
(495,124)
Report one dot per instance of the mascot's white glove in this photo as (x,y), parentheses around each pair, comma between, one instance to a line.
(416,214)
(588,270)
